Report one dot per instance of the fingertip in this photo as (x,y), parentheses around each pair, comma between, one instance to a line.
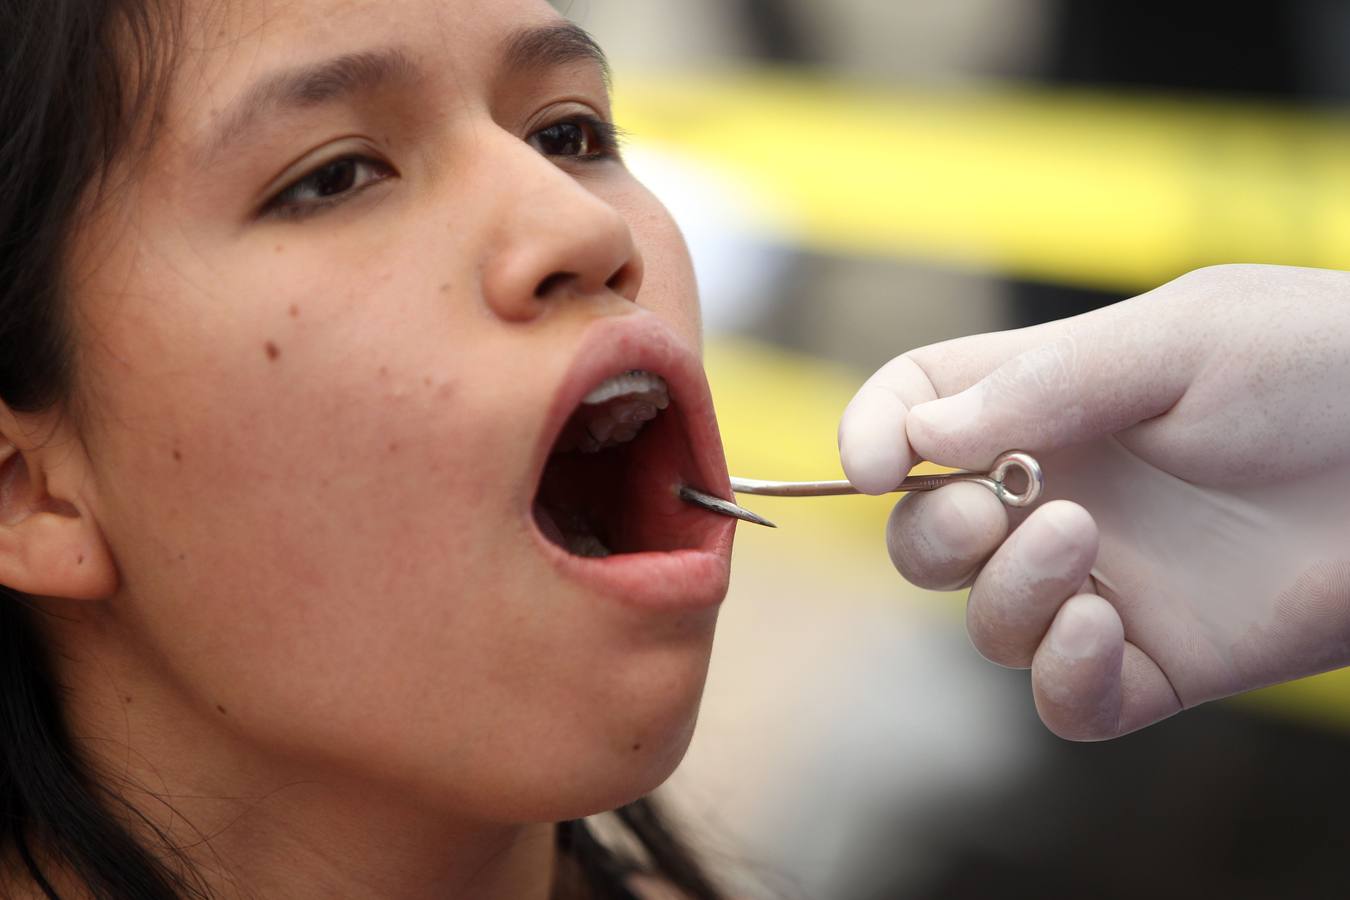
(938,540)
(950,431)
(1073,524)
(1086,628)
(1027,581)
(872,445)
(1076,673)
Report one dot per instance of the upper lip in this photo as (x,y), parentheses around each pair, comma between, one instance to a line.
(642,341)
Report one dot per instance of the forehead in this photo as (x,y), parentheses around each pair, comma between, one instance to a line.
(230,43)
(275,24)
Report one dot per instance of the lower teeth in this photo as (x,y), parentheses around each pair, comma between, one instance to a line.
(587,545)
(573,532)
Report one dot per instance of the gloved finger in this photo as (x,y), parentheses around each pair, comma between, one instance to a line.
(1089,683)
(1017,595)
(872,444)
(938,540)
(1096,375)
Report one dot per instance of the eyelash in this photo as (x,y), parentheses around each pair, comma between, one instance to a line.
(600,139)
(288,205)
(603,141)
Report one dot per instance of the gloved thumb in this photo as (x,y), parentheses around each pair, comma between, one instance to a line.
(873,446)
(1091,376)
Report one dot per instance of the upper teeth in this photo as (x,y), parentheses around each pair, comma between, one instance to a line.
(619,408)
(632,383)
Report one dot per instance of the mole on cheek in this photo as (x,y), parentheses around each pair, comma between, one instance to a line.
(272,350)
(177,455)
(294,311)
(220,709)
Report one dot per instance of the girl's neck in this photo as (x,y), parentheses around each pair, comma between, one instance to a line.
(519,866)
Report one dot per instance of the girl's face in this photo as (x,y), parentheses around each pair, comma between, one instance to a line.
(330,331)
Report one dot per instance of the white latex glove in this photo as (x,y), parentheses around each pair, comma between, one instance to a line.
(1196,444)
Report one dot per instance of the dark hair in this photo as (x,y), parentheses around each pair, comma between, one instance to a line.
(78,79)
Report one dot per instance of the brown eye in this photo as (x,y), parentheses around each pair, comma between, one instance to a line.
(334,178)
(563,139)
(584,138)
(329,184)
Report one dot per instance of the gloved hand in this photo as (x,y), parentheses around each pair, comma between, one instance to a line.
(1195,542)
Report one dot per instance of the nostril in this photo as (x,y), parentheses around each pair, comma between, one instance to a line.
(554,282)
(626,280)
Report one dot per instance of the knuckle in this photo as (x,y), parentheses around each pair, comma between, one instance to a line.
(1218,286)
(1038,376)
(1208,276)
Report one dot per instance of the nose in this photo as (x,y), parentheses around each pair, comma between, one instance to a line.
(555,240)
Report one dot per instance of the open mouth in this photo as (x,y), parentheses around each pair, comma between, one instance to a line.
(609,485)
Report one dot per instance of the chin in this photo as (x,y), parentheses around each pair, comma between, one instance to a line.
(620,775)
(654,744)
(634,736)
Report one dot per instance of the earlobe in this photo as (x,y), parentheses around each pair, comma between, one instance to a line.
(49,546)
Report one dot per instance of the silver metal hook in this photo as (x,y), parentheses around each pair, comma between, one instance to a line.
(996,480)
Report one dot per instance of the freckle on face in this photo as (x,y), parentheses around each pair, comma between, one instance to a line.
(295,311)
(272,350)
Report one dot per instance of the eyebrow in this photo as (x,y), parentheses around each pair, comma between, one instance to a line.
(554,45)
(309,86)
(306,87)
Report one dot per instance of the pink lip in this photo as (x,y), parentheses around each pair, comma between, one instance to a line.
(685,579)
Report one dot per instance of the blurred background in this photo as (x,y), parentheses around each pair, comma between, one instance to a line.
(860,177)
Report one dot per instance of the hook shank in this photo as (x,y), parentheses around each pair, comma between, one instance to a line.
(995,480)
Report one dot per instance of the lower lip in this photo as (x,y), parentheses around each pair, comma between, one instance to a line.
(674,581)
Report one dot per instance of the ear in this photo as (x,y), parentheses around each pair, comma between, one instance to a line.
(50,543)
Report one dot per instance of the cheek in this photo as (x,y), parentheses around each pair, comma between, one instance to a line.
(304,454)
(668,287)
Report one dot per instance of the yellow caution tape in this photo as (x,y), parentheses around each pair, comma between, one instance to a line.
(1073,187)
